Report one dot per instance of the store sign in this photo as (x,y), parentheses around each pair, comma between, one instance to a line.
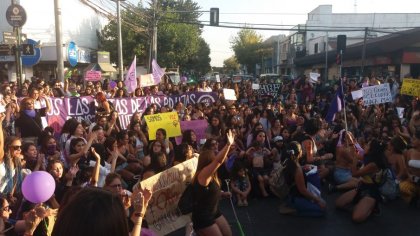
(84,56)
(72,54)
(93,75)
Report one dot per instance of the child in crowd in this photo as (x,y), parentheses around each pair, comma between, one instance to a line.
(241,186)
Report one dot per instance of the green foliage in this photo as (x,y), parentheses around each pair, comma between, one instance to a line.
(230,65)
(246,45)
(134,37)
(179,36)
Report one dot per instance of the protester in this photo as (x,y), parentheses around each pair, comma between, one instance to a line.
(206,216)
(304,200)
(295,113)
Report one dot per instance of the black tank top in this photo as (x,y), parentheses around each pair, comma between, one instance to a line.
(206,200)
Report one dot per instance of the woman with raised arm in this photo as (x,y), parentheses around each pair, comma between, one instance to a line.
(206,217)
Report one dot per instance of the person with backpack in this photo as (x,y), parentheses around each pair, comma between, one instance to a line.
(301,198)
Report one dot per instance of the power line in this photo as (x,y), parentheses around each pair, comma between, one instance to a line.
(302,27)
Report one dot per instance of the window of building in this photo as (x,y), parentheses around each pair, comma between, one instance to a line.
(316,48)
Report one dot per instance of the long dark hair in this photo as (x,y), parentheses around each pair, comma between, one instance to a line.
(290,159)
(102,212)
(186,138)
(376,154)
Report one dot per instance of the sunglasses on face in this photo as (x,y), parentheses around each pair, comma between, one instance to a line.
(16,148)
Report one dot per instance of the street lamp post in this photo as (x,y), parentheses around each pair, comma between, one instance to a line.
(120,54)
(58,40)
(153,53)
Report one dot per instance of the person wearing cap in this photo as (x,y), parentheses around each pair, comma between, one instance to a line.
(276,151)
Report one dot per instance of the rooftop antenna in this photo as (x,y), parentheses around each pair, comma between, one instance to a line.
(355,6)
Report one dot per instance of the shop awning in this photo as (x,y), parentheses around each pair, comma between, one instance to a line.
(106,67)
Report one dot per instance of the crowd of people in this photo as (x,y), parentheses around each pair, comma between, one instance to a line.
(246,141)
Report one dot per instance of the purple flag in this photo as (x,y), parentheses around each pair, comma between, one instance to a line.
(131,77)
(157,72)
(335,106)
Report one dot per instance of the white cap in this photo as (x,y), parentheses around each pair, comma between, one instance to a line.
(277,138)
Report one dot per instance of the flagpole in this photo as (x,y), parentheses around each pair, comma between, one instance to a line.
(342,91)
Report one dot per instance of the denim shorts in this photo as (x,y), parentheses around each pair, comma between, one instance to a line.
(341,175)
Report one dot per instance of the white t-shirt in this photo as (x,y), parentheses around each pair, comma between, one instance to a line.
(3,179)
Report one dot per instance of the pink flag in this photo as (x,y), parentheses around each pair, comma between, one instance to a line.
(130,77)
(157,72)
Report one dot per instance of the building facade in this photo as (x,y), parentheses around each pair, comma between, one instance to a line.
(313,46)
(80,23)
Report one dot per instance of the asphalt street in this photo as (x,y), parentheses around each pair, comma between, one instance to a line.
(262,217)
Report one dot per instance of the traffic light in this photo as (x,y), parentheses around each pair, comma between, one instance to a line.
(338,59)
(214,16)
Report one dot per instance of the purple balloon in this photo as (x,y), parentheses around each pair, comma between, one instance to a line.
(38,187)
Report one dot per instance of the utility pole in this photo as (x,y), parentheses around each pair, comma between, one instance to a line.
(120,55)
(154,50)
(326,57)
(18,58)
(342,90)
(362,67)
(58,40)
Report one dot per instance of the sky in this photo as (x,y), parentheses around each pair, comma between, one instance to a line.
(291,12)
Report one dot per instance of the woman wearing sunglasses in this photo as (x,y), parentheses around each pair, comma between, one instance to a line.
(9,227)
(11,175)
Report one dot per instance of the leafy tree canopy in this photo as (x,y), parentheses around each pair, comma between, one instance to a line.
(246,45)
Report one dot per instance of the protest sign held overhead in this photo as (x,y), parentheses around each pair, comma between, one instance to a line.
(168,121)
(163,215)
(410,87)
(377,94)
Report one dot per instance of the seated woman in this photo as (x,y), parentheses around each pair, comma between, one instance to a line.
(112,155)
(300,199)
(33,160)
(50,149)
(183,152)
(410,187)
(155,148)
(395,157)
(62,181)
(258,157)
(27,226)
(347,155)
(367,196)
(113,183)
(240,185)
(168,147)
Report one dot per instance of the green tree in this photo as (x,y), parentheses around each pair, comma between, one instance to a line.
(230,65)
(179,34)
(199,63)
(245,46)
(135,39)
